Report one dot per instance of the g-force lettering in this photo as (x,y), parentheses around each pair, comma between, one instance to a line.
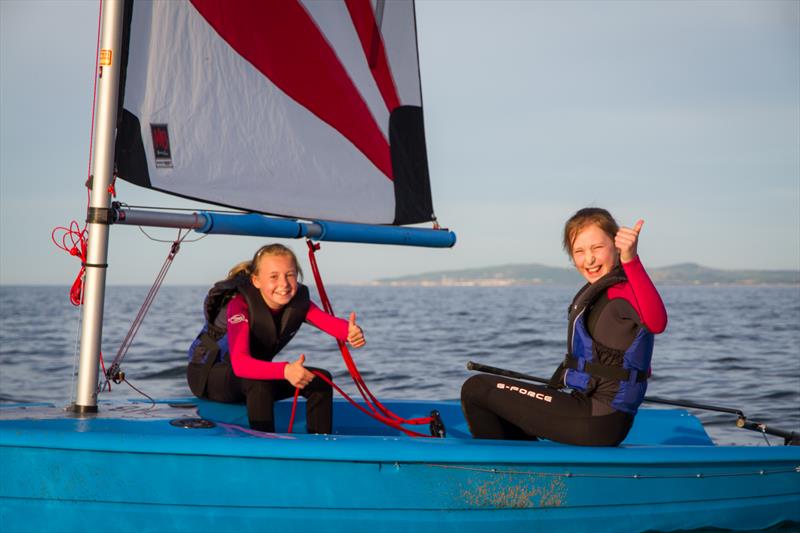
(525,392)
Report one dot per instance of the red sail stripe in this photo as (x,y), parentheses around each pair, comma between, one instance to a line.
(372,42)
(281,40)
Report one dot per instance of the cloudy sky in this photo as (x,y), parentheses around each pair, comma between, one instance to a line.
(685,114)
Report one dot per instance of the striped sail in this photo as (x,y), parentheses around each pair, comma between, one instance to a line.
(299,108)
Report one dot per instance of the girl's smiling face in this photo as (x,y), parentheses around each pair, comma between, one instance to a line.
(593,252)
(276,278)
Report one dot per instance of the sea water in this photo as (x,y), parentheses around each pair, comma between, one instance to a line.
(730,346)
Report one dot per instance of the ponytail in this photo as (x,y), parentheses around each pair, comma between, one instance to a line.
(244,266)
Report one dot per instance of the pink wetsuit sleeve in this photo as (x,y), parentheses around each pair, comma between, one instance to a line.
(336,327)
(642,294)
(244,364)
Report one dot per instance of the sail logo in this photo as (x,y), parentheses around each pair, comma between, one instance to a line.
(161,148)
(525,392)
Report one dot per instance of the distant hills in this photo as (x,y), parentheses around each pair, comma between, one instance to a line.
(535,274)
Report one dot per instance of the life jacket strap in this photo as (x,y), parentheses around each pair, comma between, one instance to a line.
(212,351)
(605,371)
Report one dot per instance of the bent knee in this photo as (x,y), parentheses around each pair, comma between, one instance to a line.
(475,387)
(323,372)
(318,383)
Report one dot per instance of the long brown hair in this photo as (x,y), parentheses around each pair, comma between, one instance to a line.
(251,267)
(586,217)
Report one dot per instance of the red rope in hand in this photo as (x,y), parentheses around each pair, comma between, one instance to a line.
(378,410)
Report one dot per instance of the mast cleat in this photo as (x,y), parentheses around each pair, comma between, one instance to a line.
(437,426)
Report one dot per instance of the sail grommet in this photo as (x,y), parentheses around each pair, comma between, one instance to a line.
(192,423)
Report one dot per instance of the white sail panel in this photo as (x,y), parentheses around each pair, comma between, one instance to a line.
(344,40)
(401,49)
(295,122)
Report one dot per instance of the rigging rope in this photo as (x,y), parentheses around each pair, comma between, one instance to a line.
(376,409)
(114,373)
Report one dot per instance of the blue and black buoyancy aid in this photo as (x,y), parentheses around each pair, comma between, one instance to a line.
(268,335)
(632,366)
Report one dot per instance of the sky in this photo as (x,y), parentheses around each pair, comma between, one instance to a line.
(684,114)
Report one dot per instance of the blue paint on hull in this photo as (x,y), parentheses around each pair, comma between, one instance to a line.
(129,469)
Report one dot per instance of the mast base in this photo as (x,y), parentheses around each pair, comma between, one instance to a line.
(82,409)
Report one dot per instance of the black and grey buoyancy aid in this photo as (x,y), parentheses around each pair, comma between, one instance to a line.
(631,368)
(268,336)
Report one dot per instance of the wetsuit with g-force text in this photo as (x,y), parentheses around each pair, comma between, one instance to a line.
(599,408)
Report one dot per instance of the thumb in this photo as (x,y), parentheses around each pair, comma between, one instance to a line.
(301,359)
(638,226)
(352,319)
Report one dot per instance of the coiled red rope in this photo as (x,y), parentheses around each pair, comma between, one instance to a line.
(73,241)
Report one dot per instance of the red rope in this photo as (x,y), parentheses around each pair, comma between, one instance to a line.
(94,90)
(74,233)
(378,417)
(378,410)
(294,408)
(103,365)
(73,241)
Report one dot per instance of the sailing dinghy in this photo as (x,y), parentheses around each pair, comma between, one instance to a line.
(310,111)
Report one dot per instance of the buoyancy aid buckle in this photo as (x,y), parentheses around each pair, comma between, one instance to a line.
(605,371)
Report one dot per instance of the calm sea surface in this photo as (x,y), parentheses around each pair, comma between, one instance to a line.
(727,346)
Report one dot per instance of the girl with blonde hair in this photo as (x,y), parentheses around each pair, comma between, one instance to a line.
(250,317)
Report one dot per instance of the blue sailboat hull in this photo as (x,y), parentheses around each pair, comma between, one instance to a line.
(130,469)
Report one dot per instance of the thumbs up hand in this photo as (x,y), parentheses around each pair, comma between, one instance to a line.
(296,374)
(626,241)
(354,334)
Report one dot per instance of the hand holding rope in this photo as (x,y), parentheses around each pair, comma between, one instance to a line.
(356,337)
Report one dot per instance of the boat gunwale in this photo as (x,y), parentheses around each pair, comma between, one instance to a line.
(156,436)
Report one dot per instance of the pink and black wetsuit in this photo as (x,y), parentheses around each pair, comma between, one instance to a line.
(247,366)
(231,358)
(612,323)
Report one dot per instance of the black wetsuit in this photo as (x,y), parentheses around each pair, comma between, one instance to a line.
(502,408)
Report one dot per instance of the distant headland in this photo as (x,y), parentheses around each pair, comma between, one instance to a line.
(536,274)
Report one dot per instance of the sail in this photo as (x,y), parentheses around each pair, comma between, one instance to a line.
(299,108)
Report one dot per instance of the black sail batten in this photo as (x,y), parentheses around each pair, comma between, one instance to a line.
(129,156)
(412,187)
(129,153)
